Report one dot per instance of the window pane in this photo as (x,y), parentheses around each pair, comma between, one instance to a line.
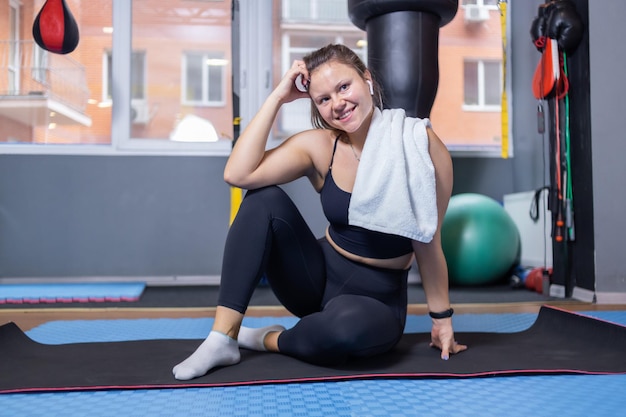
(493,83)
(187,68)
(470,83)
(193,90)
(332,10)
(109,75)
(215,83)
(137,75)
(14,42)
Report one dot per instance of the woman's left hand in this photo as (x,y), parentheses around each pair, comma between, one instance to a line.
(442,337)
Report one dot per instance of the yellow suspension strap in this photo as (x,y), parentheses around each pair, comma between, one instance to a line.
(504,102)
(236,193)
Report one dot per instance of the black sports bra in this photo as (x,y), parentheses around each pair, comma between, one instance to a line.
(354,239)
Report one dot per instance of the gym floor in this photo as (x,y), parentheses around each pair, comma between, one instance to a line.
(200,301)
(564,395)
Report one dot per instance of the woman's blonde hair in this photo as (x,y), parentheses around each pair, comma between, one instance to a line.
(343,55)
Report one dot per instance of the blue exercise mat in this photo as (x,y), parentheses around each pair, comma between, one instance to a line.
(85,331)
(80,331)
(70,292)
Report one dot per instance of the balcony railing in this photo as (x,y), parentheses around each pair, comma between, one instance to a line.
(28,70)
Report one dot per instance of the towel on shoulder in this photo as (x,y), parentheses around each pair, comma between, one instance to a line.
(395,190)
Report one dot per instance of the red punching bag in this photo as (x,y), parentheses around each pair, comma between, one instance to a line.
(55,28)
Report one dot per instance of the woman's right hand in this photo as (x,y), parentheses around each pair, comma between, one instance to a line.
(287,89)
(250,165)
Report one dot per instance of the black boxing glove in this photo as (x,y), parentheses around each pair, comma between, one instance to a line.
(565,25)
(538,28)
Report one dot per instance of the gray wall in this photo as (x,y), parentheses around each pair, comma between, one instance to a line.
(111,216)
(607,29)
(168,216)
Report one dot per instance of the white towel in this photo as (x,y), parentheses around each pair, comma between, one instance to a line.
(395,190)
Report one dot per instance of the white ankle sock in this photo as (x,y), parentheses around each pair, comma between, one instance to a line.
(253,339)
(217,349)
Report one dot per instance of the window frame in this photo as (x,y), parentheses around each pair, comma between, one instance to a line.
(14,39)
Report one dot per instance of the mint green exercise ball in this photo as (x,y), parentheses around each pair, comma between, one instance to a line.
(479,239)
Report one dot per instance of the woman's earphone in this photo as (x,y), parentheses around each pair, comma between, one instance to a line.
(301,84)
(371,86)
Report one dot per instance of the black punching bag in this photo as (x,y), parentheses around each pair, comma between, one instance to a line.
(403,48)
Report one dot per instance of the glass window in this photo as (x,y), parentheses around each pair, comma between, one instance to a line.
(204,78)
(482,83)
(193,90)
(470,84)
(14,49)
(179,75)
(169,67)
(137,76)
(493,83)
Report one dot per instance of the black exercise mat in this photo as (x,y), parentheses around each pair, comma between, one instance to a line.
(559,342)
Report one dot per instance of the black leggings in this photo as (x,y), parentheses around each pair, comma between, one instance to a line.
(346,309)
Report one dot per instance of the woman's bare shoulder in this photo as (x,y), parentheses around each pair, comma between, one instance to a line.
(318,144)
(315,141)
(313,134)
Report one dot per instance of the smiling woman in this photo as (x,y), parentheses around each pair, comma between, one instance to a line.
(335,90)
(349,289)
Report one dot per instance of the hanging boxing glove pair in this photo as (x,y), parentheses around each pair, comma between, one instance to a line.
(557,20)
(557,30)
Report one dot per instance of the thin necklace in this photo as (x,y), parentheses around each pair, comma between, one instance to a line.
(353,151)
